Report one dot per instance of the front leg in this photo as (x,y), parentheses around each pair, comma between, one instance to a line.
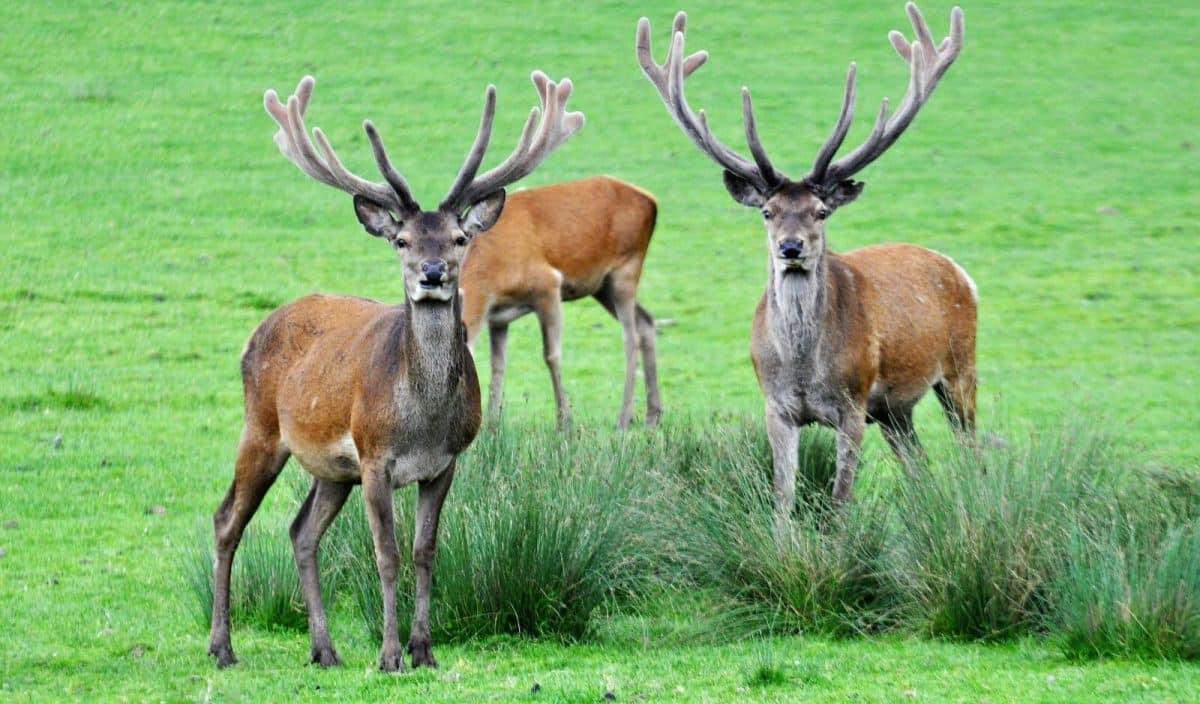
(851,424)
(377,495)
(430,496)
(784,436)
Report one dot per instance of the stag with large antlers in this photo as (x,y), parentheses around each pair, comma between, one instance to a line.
(364,393)
(841,339)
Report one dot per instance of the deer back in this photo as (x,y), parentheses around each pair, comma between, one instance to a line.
(568,235)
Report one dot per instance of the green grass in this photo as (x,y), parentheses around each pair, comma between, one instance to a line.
(148,223)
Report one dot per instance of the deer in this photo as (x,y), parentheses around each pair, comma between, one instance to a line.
(361,392)
(842,340)
(560,243)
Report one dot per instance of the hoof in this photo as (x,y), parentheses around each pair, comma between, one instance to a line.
(422,655)
(652,419)
(392,661)
(224,655)
(325,657)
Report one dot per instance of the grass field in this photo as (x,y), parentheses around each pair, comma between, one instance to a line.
(148,223)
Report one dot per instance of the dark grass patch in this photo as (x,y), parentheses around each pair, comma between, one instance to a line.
(257,301)
(70,399)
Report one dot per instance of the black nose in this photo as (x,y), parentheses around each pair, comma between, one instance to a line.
(791,249)
(433,271)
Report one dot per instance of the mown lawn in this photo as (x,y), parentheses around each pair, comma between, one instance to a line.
(147,223)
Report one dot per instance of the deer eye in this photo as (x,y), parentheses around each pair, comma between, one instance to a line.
(401,243)
(461,241)
(822,213)
(766,214)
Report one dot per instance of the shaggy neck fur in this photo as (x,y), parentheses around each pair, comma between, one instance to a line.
(795,307)
(433,347)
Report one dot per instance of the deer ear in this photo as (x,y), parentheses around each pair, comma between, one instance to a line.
(483,214)
(743,191)
(844,192)
(375,218)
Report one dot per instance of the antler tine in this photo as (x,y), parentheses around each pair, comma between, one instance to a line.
(840,129)
(294,142)
(393,177)
(756,147)
(669,78)
(475,157)
(538,141)
(928,61)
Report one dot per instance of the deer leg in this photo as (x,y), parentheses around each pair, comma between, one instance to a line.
(901,435)
(849,444)
(956,395)
(619,301)
(259,461)
(549,313)
(430,496)
(324,501)
(498,336)
(646,336)
(626,308)
(784,436)
(377,494)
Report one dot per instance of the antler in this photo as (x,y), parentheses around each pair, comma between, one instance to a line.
(293,140)
(668,78)
(927,62)
(536,143)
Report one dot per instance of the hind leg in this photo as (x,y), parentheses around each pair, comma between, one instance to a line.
(260,458)
(617,295)
(956,394)
(324,501)
(901,435)
(646,337)
(550,317)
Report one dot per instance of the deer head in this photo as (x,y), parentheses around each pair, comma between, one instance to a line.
(431,243)
(795,211)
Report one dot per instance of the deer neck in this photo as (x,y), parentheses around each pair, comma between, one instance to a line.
(796,309)
(433,348)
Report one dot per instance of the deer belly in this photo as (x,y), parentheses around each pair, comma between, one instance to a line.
(417,465)
(334,462)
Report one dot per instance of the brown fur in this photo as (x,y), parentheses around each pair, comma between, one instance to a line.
(363,393)
(844,340)
(325,368)
(561,243)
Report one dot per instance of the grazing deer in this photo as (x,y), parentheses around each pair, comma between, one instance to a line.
(841,339)
(365,393)
(559,243)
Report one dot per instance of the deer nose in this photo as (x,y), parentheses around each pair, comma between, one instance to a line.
(791,249)
(433,270)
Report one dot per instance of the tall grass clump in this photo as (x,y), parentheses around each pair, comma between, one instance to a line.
(540,530)
(982,534)
(264,585)
(1130,591)
(823,570)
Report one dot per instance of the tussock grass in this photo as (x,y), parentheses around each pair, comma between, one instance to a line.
(539,531)
(587,534)
(264,586)
(821,571)
(1128,593)
(982,534)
